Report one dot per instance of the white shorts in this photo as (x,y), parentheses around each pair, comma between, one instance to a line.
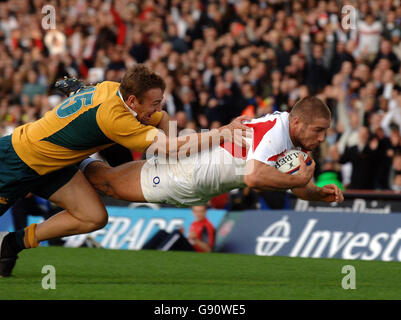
(191,181)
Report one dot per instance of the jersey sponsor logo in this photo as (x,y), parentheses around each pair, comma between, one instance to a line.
(75,103)
(259,130)
(156,181)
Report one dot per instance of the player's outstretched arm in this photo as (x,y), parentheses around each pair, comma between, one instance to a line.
(261,176)
(311,192)
(196,142)
(164,123)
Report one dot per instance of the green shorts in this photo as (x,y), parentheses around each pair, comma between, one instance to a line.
(17,179)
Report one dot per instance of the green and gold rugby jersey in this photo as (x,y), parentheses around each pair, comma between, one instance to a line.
(81,125)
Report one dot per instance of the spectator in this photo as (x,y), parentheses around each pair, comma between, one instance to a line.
(284,54)
(396,43)
(220,105)
(390,26)
(331,169)
(386,52)
(189,105)
(363,158)
(201,232)
(172,101)
(384,159)
(179,44)
(318,62)
(139,50)
(393,112)
(396,172)
(32,87)
(369,36)
(201,235)
(349,128)
(342,54)
(395,141)
(396,186)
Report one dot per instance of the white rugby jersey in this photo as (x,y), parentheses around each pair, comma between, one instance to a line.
(271,138)
(221,169)
(197,179)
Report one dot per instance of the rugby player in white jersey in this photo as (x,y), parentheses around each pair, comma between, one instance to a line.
(195,179)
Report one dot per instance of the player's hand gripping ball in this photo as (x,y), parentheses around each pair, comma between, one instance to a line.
(288,162)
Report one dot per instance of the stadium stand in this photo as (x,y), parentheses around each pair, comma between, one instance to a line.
(221,59)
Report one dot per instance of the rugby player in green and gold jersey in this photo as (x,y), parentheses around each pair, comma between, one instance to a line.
(40,157)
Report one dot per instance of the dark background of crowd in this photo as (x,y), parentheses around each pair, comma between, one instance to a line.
(221,59)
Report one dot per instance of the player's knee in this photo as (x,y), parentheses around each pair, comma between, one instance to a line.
(101,222)
(97,221)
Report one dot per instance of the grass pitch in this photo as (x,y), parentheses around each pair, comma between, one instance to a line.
(85,273)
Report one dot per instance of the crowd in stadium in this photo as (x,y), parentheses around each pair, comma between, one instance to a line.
(221,59)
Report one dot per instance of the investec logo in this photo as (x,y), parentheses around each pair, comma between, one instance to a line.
(328,243)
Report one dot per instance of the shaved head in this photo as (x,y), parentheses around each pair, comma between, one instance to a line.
(309,108)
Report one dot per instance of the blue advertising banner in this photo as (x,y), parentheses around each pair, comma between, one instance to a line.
(130,228)
(6,221)
(316,235)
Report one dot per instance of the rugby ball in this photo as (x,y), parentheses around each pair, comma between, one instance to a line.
(288,162)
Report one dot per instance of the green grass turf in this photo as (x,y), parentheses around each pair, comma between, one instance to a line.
(85,273)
